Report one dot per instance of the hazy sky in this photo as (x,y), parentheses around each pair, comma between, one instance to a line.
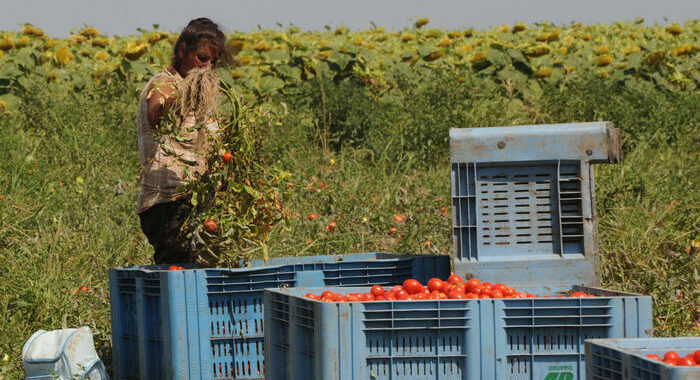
(123,17)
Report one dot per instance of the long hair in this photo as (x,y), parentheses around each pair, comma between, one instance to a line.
(202,29)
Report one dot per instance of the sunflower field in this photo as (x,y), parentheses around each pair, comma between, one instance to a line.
(358,123)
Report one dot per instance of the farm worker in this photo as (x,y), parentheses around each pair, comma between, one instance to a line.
(174,125)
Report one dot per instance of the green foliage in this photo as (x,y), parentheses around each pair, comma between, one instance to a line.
(242,196)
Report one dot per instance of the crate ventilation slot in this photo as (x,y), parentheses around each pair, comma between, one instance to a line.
(517,210)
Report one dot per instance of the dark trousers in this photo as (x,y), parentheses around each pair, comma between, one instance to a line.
(161,224)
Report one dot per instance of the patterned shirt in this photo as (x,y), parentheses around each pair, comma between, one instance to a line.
(166,160)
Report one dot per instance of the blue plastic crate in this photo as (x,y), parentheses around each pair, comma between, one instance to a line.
(624,359)
(523,202)
(505,339)
(208,323)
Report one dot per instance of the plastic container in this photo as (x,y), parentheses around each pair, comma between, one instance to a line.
(624,359)
(208,323)
(510,339)
(523,202)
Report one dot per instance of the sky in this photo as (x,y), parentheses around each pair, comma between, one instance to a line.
(125,16)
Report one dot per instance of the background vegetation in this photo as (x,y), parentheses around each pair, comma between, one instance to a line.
(364,120)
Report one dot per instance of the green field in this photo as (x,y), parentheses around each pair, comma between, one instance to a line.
(363,131)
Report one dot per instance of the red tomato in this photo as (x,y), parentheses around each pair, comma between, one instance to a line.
(380,298)
(401,293)
(578,294)
(484,296)
(390,297)
(396,288)
(455,279)
(210,225)
(442,296)
(368,297)
(420,296)
(455,295)
(495,293)
(83,288)
(472,284)
(445,287)
(653,356)
(331,226)
(530,295)
(696,356)
(459,288)
(500,287)
(324,299)
(671,355)
(685,361)
(312,216)
(173,267)
(509,292)
(377,290)
(227,157)
(435,284)
(412,286)
(337,297)
(670,361)
(311,295)
(327,294)
(472,296)
(519,295)
(425,290)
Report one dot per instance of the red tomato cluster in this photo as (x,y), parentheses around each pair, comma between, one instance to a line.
(452,288)
(672,358)
(175,267)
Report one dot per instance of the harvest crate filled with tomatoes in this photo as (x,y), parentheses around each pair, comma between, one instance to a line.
(174,322)
(451,329)
(644,358)
(525,291)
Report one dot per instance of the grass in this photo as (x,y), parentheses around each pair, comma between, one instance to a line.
(69,175)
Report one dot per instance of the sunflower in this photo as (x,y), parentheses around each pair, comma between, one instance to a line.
(31,30)
(421,22)
(135,49)
(543,72)
(89,32)
(62,56)
(7,43)
(261,46)
(682,51)
(445,42)
(674,29)
(603,60)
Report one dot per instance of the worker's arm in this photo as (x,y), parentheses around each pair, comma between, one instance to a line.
(160,99)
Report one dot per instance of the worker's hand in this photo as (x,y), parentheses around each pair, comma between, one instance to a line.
(160,98)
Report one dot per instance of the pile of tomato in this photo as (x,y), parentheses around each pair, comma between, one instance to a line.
(672,358)
(436,289)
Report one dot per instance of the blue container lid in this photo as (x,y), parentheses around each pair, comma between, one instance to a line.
(523,201)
